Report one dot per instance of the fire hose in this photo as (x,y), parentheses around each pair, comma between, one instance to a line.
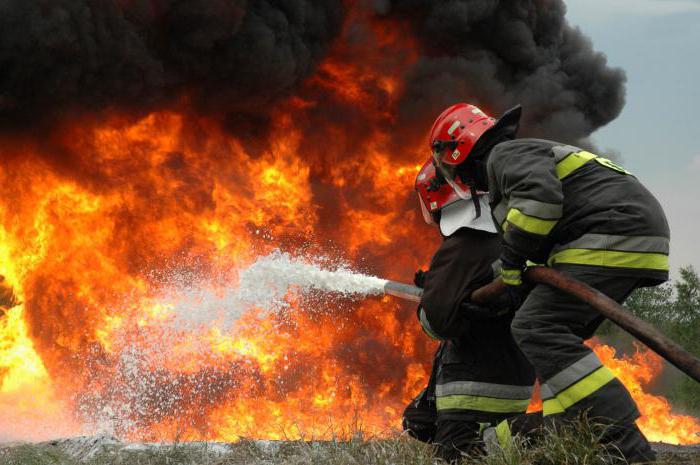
(640,329)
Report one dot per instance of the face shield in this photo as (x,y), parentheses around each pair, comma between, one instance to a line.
(427,216)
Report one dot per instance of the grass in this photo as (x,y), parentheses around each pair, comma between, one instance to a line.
(577,445)
(401,451)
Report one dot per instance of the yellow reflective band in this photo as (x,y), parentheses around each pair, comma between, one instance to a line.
(573,394)
(585,387)
(544,210)
(611,258)
(512,277)
(573,162)
(612,165)
(551,407)
(482,404)
(530,223)
(504,435)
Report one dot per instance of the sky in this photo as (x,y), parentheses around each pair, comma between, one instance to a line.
(657,43)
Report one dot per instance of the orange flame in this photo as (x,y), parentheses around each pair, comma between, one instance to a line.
(636,372)
(657,422)
(94,261)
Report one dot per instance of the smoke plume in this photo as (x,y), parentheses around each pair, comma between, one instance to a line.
(62,56)
(501,53)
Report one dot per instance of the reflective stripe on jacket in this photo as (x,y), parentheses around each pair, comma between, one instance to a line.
(566,206)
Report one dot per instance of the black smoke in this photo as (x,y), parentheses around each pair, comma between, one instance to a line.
(236,57)
(498,53)
(59,57)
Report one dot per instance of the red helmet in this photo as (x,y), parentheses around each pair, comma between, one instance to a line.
(433,193)
(456,131)
(452,138)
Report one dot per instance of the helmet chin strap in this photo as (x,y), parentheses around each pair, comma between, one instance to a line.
(480,174)
(473,191)
(474,175)
(475,199)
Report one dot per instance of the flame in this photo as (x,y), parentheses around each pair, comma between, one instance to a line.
(104,243)
(637,372)
(658,422)
(27,396)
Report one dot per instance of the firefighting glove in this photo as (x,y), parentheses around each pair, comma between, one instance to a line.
(419,278)
(512,268)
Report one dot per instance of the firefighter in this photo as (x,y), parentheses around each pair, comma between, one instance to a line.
(577,212)
(480,375)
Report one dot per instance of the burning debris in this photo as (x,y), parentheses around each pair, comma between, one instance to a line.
(143,140)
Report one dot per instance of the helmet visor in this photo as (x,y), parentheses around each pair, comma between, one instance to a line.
(427,216)
(449,172)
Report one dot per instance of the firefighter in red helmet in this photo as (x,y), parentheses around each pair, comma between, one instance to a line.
(480,377)
(561,205)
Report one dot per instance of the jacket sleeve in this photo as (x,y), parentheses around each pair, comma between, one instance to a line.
(525,174)
(462,263)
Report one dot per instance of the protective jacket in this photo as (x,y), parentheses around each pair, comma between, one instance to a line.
(567,207)
(482,375)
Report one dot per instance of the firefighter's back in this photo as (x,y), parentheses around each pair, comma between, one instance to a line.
(609,219)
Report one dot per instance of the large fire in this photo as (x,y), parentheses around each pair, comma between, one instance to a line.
(99,270)
(101,253)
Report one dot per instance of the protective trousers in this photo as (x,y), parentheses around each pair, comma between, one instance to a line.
(481,381)
(420,416)
(550,329)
